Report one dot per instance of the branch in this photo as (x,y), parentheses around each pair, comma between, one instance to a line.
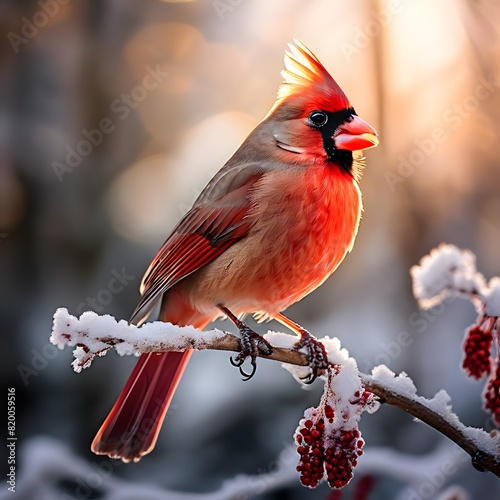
(483,448)
(85,334)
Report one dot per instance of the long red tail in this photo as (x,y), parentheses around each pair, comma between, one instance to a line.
(133,424)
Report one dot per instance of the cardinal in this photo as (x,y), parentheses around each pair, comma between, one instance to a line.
(271,226)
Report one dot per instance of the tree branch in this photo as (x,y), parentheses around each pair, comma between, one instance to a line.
(482,459)
(483,448)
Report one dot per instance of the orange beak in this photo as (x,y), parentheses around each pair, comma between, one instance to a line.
(355,135)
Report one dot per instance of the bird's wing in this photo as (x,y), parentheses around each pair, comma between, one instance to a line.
(217,220)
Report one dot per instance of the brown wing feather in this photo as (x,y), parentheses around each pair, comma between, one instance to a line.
(217,220)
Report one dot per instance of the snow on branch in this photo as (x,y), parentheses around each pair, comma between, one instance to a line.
(94,335)
(400,391)
(450,272)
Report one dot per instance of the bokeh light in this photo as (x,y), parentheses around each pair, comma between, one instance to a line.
(115,116)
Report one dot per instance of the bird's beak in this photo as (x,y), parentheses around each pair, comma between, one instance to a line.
(355,135)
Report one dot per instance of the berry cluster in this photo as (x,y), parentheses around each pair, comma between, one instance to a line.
(492,395)
(480,361)
(477,347)
(341,456)
(326,450)
(309,438)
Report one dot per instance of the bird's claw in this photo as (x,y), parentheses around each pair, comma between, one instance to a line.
(316,354)
(252,344)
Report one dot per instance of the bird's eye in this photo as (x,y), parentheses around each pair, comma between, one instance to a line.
(318,118)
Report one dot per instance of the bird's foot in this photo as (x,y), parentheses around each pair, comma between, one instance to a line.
(316,354)
(252,345)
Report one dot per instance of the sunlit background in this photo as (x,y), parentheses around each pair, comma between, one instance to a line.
(114,116)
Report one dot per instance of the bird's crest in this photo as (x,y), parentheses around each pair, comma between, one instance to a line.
(305,76)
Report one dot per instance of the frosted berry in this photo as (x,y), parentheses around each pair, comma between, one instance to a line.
(477,346)
(492,395)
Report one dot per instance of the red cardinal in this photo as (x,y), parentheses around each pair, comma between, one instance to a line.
(269,228)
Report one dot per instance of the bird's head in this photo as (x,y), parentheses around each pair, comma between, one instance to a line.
(313,117)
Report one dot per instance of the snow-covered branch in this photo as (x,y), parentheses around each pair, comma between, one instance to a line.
(483,447)
(450,272)
(94,335)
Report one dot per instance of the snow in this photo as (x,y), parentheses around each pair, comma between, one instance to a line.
(447,271)
(440,404)
(280,339)
(403,384)
(286,341)
(336,354)
(345,385)
(492,298)
(299,373)
(94,335)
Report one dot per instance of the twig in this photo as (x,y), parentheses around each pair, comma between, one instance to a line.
(483,459)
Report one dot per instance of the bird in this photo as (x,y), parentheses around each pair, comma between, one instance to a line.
(270,227)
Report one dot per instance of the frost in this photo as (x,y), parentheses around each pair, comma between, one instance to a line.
(336,354)
(328,439)
(447,271)
(492,298)
(403,384)
(280,339)
(299,373)
(94,335)
(382,373)
(485,441)
(441,402)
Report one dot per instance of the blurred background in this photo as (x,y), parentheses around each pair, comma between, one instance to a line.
(114,114)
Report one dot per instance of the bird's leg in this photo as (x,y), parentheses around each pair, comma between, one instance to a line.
(316,353)
(252,344)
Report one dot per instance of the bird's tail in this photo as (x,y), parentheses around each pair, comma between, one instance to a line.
(133,424)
